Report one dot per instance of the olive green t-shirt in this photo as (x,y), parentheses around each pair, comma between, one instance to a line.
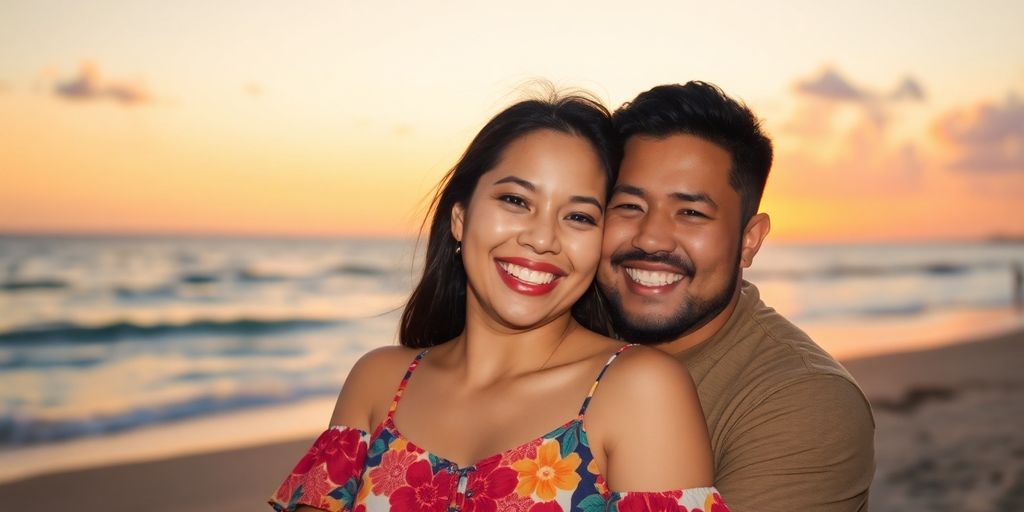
(790,429)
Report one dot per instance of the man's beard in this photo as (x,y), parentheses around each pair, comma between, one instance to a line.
(692,314)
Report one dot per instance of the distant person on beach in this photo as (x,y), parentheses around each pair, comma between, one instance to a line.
(495,351)
(790,429)
(1018,286)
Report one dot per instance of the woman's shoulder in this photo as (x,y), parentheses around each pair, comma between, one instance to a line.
(641,376)
(370,384)
(382,359)
(635,364)
(647,419)
(646,365)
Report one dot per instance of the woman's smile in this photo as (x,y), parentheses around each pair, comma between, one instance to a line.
(529,277)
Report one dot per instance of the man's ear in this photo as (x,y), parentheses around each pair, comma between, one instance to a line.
(458,221)
(757,229)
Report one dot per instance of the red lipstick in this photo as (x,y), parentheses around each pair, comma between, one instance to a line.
(523,287)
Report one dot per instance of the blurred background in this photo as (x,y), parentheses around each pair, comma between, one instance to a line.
(208,210)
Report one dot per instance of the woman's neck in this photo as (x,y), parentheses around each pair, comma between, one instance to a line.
(489,350)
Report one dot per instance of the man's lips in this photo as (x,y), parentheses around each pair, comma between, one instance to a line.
(647,278)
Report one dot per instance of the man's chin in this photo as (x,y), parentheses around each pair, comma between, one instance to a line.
(649,331)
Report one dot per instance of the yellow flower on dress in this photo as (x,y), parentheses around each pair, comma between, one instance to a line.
(548,472)
(398,444)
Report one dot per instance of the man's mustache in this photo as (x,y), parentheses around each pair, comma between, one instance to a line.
(685,267)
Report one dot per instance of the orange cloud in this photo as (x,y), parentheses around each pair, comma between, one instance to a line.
(851,163)
(88,85)
(985,137)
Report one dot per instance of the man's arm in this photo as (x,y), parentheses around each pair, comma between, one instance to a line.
(809,447)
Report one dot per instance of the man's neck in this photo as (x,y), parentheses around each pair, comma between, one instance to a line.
(704,332)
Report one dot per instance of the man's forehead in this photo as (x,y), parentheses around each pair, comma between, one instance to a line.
(675,160)
(676,146)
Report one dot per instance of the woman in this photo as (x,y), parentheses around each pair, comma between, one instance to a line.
(496,350)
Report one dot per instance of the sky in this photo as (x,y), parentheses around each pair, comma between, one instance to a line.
(891,121)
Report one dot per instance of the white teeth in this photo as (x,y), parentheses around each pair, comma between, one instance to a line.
(652,278)
(526,275)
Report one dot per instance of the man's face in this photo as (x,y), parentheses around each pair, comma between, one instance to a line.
(670,258)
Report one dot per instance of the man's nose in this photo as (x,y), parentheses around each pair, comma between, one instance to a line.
(655,234)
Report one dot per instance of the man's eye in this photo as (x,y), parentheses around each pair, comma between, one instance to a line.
(626,206)
(513,200)
(692,213)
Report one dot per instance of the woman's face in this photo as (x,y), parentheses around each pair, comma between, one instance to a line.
(531,235)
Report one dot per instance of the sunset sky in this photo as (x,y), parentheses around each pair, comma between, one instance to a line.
(892,121)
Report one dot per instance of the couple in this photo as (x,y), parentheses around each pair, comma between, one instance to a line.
(505,336)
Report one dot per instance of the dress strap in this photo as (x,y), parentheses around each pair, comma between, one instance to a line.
(593,388)
(404,383)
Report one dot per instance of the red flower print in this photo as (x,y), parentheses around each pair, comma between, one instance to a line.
(390,474)
(524,451)
(284,492)
(315,488)
(547,506)
(652,502)
(514,503)
(490,484)
(342,449)
(425,491)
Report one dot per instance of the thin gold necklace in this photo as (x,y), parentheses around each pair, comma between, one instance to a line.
(552,354)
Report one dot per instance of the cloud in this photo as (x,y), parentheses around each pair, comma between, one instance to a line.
(831,85)
(987,137)
(841,137)
(88,85)
(909,89)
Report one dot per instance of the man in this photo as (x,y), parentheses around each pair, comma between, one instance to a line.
(790,429)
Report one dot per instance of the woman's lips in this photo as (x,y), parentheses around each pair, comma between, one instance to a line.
(528,277)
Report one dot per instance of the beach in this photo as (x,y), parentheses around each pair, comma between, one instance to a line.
(947,438)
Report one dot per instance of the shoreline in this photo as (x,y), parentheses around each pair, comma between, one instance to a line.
(936,407)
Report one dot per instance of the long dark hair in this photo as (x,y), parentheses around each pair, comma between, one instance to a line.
(436,311)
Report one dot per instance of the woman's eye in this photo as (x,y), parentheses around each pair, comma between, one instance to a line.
(582,218)
(513,200)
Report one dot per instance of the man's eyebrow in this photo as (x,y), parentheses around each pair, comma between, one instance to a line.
(694,197)
(588,200)
(629,189)
(518,181)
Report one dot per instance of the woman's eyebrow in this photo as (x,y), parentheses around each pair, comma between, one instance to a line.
(588,200)
(518,181)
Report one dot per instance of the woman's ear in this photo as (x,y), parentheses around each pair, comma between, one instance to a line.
(458,221)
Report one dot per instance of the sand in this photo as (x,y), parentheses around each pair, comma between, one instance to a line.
(949,426)
(949,436)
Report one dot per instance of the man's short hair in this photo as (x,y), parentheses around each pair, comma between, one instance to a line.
(703,110)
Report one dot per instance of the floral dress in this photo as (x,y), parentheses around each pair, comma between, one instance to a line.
(348,469)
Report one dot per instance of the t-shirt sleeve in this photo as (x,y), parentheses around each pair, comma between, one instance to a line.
(704,499)
(328,475)
(808,446)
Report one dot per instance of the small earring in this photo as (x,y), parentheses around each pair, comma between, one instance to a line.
(458,247)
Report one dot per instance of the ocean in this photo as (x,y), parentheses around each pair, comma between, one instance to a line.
(105,335)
